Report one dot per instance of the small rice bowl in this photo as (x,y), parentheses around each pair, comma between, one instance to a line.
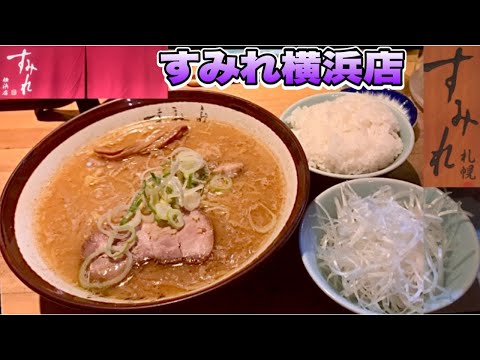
(353,134)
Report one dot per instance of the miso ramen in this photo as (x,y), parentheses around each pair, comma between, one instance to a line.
(159,208)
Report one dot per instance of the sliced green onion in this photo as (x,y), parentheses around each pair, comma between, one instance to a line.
(189,181)
(220,183)
(156,179)
(150,206)
(134,221)
(120,250)
(191,200)
(175,185)
(181,176)
(162,209)
(137,201)
(190,164)
(152,193)
(175,218)
(84,276)
(126,244)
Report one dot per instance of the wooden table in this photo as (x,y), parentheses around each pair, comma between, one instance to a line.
(19,131)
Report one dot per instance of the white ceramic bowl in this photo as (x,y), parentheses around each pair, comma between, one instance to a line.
(406,134)
(461,266)
(17,237)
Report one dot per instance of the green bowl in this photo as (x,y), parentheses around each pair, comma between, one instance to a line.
(406,134)
(461,265)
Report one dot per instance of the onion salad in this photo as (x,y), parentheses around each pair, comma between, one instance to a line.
(387,251)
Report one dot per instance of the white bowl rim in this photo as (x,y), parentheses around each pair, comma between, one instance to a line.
(402,158)
(64,133)
(321,282)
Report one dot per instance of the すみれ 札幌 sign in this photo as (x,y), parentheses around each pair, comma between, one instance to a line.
(451,113)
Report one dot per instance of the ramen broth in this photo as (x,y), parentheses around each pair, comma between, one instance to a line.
(86,186)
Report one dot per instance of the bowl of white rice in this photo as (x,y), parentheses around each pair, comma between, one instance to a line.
(351,135)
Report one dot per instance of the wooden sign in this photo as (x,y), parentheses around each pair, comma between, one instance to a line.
(451,116)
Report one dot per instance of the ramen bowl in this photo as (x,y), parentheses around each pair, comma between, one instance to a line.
(18,239)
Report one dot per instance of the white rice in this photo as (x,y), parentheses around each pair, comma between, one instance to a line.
(353,134)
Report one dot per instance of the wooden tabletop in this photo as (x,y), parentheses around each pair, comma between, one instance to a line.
(19,131)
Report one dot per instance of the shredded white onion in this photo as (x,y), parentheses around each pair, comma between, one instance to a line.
(386,252)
